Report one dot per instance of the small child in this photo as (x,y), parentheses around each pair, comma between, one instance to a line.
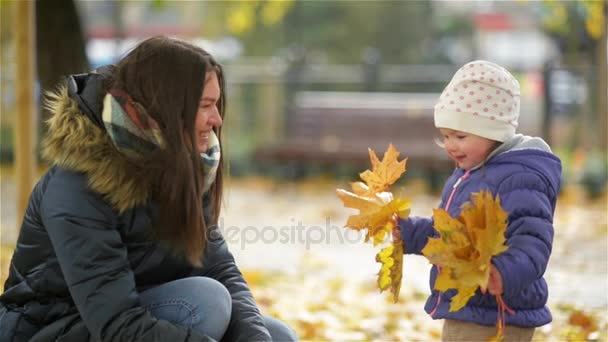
(477,115)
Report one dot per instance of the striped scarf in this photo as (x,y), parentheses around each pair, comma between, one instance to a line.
(135,134)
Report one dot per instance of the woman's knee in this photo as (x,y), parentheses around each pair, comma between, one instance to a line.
(205,293)
(212,295)
(214,305)
(198,302)
(279,331)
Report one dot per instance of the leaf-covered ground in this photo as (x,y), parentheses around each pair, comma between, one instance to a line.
(335,308)
(289,241)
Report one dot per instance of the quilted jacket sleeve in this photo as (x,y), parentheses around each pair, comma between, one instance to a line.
(246,323)
(93,260)
(415,232)
(529,235)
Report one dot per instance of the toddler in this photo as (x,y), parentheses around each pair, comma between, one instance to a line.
(477,116)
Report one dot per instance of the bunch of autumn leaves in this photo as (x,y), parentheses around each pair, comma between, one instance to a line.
(465,244)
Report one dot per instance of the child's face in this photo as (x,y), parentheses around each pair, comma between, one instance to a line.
(467,150)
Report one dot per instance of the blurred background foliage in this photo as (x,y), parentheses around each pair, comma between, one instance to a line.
(275,50)
(334,31)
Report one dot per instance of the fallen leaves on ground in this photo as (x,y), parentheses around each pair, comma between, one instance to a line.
(583,327)
(319,305)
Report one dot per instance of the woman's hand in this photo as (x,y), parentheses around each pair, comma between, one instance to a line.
(494,282)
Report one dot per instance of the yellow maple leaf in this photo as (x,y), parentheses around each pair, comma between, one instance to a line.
(378,211)
(375,213)
(466,244)
(446,281)
(390,274)
(383,173)
(376,206)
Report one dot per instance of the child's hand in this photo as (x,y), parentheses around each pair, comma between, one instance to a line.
(396,231)
(494,283)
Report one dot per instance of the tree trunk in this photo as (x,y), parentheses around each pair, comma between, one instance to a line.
(602,89)
(24,87)
(60,42)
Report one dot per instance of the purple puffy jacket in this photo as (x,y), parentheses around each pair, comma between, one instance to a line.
(527,176)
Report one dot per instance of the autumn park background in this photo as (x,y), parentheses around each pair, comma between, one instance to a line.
(303,77)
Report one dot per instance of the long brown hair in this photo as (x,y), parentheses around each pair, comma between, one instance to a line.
(166,77)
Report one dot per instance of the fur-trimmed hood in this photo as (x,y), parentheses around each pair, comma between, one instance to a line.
(74,142)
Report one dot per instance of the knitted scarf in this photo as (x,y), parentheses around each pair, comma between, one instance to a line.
(135,134)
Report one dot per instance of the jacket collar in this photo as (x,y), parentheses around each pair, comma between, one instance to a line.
(516,143)
(75,142)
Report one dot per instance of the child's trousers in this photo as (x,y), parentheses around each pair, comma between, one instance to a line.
(465,331)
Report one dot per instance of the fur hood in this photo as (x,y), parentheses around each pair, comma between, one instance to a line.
(74,142)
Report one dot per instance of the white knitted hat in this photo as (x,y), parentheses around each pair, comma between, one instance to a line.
(482,99)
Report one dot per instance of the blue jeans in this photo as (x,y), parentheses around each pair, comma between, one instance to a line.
(203,304)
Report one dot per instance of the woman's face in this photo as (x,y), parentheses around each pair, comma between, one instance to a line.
(208,115)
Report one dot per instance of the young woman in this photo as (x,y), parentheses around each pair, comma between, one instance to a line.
(119,240)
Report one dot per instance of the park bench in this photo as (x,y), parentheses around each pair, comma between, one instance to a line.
(332,128)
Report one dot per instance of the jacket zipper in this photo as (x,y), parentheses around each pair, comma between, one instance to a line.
(463,177)
(447,206)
